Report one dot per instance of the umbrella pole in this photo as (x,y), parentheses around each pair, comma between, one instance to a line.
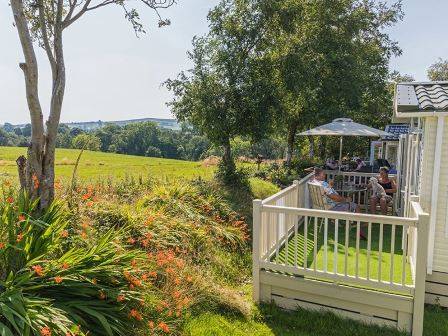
(340,154)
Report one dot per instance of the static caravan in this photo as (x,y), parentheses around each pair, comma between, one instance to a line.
(423,158)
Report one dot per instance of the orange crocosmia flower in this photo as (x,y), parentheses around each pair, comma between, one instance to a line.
(144,277)
(19,237)
(22,218)
(64,234)
(83,234)
(189,279)
(58,279)
(38,270)
(89,204)
(152,274)
(45,331)
(121,298)
(35,181)
(164,327)
(10,200)
(135,314)
(151,324)
(65,266)
(176,294)
(131,241)
(2,245)
(102,295)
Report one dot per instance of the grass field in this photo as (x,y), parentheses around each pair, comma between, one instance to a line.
(102,165)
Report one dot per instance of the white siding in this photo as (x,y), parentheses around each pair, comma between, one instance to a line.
(440,262)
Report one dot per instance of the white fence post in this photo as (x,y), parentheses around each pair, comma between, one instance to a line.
(420,274)
(296,183)
(256,234)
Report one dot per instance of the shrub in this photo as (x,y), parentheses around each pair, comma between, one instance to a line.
(51,285)
(238,178)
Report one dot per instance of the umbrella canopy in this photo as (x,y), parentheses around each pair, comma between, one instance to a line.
(346,127)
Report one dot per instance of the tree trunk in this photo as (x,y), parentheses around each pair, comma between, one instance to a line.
(38,175)
(292,131)
(227,158)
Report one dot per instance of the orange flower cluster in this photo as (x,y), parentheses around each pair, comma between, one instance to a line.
(10,200)
(64,234)
(2,245)
(19,237)
(132,280)
(35,181)
(85,228)
(45,331)
(135,314)
(145,241)
(38,270)
(58,279)
(22,218)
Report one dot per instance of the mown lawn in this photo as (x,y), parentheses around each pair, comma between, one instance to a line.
(272,321)
(95,165)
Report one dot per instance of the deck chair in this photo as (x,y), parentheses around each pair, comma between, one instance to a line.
(317,199)
(317,195)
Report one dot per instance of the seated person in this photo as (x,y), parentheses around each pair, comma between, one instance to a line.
(390,187)
(331,164)
(334,201)
(359,164)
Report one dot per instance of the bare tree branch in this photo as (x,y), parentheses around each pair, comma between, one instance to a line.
(46,42)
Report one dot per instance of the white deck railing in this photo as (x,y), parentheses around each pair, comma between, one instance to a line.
(281,219)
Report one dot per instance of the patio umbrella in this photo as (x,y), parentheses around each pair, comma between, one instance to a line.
(345,127)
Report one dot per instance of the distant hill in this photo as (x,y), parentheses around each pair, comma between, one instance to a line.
(92,125)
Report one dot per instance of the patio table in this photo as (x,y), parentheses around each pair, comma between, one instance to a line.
(357,193)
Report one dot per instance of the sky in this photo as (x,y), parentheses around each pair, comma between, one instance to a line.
(113,75)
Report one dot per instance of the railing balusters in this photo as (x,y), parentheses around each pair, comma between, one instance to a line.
(305,243)
(325,244)
(347,234)
(277,236)
(392,253)
(315,244)
(358,233)
(404,257)
(296,238)
(286,226)
(369,247)
(380,252)
(336,232)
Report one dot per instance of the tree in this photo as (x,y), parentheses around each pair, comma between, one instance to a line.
(438,71)
(86,141)
(330,55)
(227,93)
(42,22)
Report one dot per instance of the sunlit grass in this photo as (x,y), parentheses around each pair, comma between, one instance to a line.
(94,165)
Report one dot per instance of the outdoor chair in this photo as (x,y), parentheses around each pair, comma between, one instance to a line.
(317,195)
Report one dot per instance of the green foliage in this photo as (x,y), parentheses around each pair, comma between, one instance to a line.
(231,176)
(282,175)
(438,71)
(227,94)
(48,281)
(86,141)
